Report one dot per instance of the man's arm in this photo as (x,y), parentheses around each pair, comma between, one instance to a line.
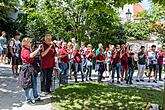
(46,51)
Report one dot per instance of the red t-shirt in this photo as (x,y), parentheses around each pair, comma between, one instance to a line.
(117,59)
(25,56)
(91,56)
(100,57)
(160,59)
(77,56)
(124,58)
(63,51)
(48,61)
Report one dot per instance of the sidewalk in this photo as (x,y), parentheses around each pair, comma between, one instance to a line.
(12,97)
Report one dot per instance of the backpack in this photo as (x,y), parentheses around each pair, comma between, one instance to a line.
(9,55)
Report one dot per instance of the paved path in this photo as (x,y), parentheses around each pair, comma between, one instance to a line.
(12,97)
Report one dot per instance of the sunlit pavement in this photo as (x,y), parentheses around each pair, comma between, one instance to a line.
(12,97)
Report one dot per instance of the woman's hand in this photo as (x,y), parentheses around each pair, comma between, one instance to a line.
(40,47)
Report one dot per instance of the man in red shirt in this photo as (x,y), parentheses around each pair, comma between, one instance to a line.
(47,63)
(63,63)
(116,63)
(100,59)
(77,63)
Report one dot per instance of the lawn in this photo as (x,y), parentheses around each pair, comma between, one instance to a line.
(94,96)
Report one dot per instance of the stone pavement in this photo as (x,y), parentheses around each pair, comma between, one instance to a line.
(12,97)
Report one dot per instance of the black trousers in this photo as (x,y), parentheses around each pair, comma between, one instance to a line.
(46,79)
(160,71)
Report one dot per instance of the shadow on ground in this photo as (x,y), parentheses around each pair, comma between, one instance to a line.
(94,96)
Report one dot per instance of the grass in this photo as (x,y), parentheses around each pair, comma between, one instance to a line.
(94,96)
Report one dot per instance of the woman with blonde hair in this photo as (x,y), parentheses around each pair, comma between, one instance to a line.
(27,78)
(70,55)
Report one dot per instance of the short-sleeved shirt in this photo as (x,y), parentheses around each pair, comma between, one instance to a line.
(117,59)
(91,56)
(63,51)
(108,55)
(97,52)
(3,42)
(142,61)
(16,47)
(48,61)
(124,58)
(25,56)
(100,57)
(160,59)
(77,56)
(153,57)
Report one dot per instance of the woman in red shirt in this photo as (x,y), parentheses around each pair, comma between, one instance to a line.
(27,78)
(77,63)
(100,60)
(89,58)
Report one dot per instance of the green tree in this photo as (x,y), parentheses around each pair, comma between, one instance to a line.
(6,8)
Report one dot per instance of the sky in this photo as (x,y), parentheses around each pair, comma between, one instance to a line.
(146,4)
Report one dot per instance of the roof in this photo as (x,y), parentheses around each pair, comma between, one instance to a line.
(137,8)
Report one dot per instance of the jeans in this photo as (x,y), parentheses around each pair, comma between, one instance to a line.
(130,73)
(84,65)
(100,69)
(35,86)
(141,69)
(89,71)
(63,72)
(116,67)
(28,94)
(78,67)
(46,80)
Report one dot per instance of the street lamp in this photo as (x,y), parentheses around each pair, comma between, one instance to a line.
(128,15)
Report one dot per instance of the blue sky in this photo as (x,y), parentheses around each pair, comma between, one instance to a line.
(146,4)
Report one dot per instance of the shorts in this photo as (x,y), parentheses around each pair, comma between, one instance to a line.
(153,67)
(4,51)
(16,60)
(0,52)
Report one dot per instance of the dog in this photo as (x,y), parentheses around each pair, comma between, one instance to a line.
(150,106)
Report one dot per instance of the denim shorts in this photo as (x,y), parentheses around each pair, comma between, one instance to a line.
(4,51)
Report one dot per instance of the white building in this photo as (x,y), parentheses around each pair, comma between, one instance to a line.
(134,9)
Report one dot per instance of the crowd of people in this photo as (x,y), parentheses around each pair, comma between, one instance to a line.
(67,59)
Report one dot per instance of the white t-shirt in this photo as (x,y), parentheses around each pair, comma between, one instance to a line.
(15,44)
(153,57)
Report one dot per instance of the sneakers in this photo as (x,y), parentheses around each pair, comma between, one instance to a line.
(43,94)
(137,80)
(118,82)
(90,79)
(37,99)
(31,102)
(154,81)
(142,80)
